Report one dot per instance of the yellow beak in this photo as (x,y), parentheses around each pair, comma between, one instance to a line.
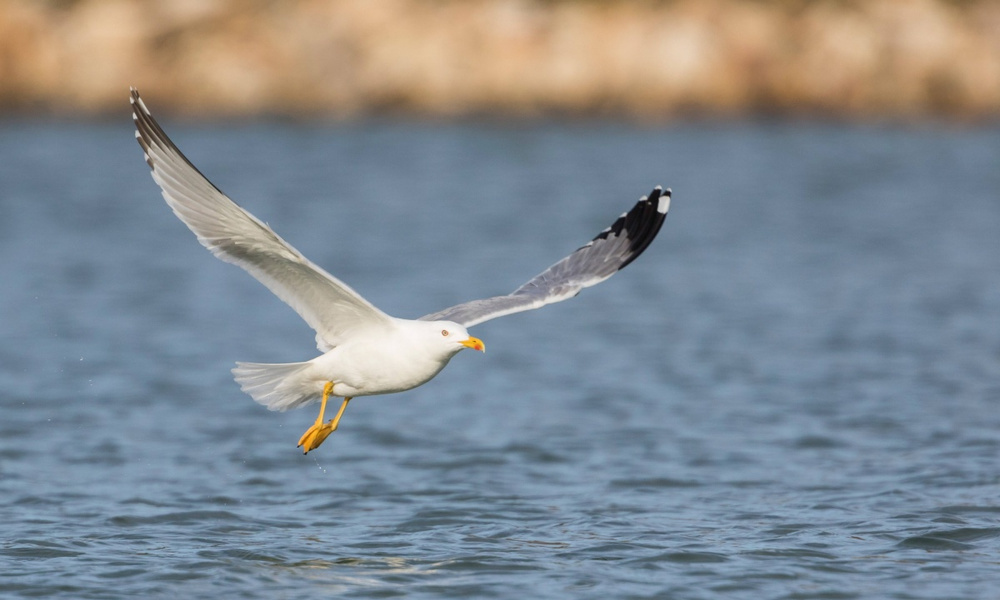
(474,343)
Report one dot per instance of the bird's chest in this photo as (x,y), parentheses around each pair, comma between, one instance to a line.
(383,368)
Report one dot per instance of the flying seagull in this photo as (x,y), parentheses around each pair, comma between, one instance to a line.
(364,351)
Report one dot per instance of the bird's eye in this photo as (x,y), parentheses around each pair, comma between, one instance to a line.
(445,332)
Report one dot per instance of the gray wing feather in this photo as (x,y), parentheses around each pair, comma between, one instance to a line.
(328,305)
(611,251)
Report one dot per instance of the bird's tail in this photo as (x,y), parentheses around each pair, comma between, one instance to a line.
(277,386)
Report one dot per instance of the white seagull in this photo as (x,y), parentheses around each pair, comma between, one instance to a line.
(364,351)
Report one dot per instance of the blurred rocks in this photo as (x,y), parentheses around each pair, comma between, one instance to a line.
(877,58)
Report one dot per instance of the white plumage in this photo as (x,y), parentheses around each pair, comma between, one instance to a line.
(365,351)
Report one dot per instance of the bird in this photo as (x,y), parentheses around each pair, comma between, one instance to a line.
(364,351)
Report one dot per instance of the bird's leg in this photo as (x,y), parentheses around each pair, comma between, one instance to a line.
(310,433)
(315,435)
(336,420)
(319,431)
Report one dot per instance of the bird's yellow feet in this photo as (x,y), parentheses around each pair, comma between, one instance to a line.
(317,434)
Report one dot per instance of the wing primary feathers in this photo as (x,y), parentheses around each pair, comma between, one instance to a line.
(148,130)
(613,249)
(644,228)
(232,234)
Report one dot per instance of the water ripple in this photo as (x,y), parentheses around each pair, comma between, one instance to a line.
(792,395)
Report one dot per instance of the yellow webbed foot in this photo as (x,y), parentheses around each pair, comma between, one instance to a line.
(316,435)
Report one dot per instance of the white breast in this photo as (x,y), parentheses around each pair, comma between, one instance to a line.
(383,362)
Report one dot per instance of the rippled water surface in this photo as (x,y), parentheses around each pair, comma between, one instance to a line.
(793,394)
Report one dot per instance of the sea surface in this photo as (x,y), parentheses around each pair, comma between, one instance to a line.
(794,394)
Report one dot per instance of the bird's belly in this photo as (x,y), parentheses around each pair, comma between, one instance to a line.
(375,371)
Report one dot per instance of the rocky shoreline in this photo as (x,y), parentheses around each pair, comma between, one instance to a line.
(445,58)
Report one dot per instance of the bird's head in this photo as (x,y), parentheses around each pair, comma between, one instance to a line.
(454,337)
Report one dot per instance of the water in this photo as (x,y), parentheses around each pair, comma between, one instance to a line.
(793,394)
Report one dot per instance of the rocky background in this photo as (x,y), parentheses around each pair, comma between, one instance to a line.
(443,58)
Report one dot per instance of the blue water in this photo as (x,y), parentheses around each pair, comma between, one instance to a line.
(793,394)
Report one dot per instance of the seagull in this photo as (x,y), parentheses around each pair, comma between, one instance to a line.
(364,350)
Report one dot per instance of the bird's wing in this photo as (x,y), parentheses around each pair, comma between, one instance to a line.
(329,306)
(611,251)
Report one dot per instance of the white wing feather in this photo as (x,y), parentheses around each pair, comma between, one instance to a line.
(611,251)
(328,305)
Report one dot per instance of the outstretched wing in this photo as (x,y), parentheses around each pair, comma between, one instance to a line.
(329,306)
(611,251)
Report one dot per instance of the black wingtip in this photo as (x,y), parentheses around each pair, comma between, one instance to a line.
(643,222)
(151,136)
(135,100)
(142,129)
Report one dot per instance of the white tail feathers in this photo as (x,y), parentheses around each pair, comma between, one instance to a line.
(278,386)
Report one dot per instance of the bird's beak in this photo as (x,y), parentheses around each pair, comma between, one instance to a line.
(474,343)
